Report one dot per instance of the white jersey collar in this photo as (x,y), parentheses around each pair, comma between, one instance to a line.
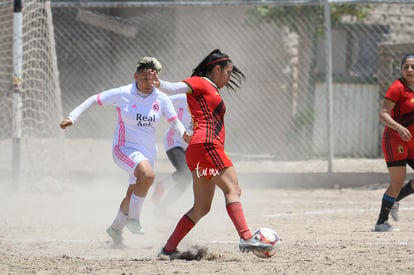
(138,92)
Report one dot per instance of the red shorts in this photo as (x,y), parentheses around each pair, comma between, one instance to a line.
(207,159)
(396,151)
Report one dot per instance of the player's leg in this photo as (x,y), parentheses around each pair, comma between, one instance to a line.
(228,183)
(408,188)
(121,157)
(203,189)
(396,155)
(397,177)
(203,197)
(119,223)
(405,191)
(180,179)
(182,175)
(129,160)
(144,178)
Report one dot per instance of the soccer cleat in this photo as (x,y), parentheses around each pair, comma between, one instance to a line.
(385,227)
(134,226)
(116,235)
(394,211)
(168,256)
(254,244)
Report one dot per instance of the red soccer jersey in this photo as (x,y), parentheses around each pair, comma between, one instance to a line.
(207,109)
(403,111)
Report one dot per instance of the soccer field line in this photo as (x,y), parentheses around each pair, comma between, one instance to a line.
(32,240)
(329,211)
(222,242)
(326,242)
(333,242)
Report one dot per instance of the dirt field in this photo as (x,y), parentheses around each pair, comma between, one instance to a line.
(323,230)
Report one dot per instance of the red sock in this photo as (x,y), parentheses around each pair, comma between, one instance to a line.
(236,214)
(184,225)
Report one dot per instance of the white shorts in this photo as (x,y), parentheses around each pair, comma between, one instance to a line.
(128,158)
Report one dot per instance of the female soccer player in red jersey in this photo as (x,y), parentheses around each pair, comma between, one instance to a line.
(397,113)
(209,164)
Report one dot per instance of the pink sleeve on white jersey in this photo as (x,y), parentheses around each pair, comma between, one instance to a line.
(168,110)
(108,97)
(171,137)
(88,103)
(171,115)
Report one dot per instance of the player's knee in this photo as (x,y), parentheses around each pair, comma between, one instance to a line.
(202,211)
(235,191)
(149,178)
(146,178)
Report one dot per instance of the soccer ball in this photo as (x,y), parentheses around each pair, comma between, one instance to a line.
(269,236)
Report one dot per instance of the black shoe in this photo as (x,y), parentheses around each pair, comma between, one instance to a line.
(168,256)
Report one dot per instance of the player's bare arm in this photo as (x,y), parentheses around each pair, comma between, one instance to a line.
(385,117)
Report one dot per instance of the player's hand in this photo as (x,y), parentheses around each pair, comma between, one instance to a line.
(404,134)
(155,79)
(66,123)
(187,137)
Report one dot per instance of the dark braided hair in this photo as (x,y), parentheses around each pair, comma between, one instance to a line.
(215,58)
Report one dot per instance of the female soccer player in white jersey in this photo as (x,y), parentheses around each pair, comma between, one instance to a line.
(139,106)
(169,189)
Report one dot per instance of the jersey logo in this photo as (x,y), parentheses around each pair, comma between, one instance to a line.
(400,149)
(156,106)
(134,106)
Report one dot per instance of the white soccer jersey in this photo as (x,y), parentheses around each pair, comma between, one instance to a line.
(172,139)
(138,116)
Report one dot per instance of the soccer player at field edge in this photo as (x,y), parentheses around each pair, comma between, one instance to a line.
(172,187)
(397,142)
(209,164)
(139,107)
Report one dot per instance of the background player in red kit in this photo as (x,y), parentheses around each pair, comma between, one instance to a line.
(397,113)
(209,164)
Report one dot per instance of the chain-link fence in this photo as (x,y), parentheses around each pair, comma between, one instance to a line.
(281,112)
(31,144)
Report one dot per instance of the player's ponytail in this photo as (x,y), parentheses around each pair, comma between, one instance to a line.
(216,57)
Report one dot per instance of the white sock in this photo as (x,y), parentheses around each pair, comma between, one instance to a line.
(135,206)
(120,221)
